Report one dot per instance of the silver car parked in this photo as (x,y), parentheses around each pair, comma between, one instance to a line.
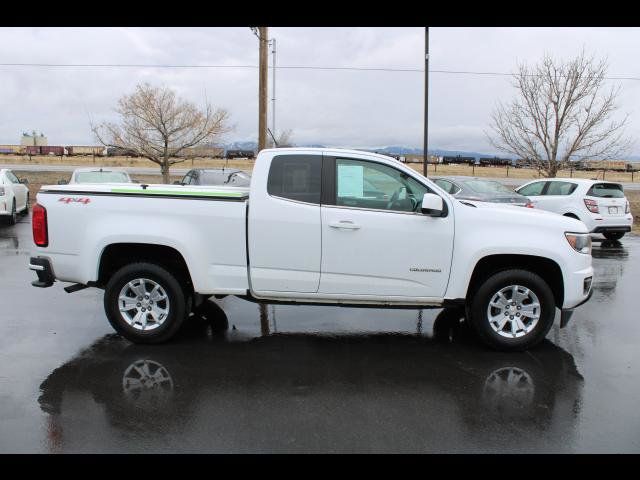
(481,190)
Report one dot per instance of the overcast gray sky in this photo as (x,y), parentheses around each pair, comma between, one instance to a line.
(337,108)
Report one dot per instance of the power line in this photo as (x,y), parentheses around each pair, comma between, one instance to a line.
(283,67)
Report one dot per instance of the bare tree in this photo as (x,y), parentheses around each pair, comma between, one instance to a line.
(157,125)
(283,139)
(562,113)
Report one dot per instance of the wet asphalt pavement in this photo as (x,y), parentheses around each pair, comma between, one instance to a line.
(241,378)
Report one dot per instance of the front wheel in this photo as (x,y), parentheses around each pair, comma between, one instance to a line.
(145,303)
(613,236)
(513,310)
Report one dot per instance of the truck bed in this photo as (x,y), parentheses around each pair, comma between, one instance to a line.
(207,224)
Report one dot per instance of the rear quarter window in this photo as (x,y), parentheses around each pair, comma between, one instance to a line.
(606,190)
(296,177)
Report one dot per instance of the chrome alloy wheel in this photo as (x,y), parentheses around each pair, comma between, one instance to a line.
(513,311)
(143,304)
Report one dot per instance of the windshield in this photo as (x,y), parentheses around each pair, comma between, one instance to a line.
(102,177)
(606,190)
(488,186)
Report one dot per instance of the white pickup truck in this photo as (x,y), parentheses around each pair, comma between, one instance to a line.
(316,226)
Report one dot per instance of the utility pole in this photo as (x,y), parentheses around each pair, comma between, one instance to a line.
(426,100)
(263,37)
(273,86)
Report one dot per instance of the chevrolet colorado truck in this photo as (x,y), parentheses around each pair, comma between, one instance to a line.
(315,226)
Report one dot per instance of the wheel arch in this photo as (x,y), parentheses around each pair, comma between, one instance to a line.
(546,268)
(116,255)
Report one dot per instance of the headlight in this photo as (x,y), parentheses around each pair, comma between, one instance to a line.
(581,242)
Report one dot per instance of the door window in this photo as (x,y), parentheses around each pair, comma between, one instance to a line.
(296,177)
(364,184)
(560,188)
(532,189)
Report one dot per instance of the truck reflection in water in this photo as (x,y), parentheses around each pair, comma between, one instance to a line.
(215,389)
(609,259)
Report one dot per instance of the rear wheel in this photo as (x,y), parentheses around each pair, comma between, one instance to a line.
(613,235)
(145,303)
(512,310)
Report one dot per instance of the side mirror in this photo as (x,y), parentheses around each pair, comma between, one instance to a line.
(177,182)
(24,181)
(62,182)
(432,205)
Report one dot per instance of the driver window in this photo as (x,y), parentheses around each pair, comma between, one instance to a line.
(365,184)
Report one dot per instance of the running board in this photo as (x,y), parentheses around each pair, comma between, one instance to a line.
(75,287)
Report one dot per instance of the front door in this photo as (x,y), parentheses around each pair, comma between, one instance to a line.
(375,241)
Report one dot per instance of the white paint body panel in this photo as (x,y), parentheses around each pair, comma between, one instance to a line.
(12,191)
(294,254)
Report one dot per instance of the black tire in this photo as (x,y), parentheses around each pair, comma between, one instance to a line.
(479,305)
(613,236)
(178,302)
(25,212)
(13,218)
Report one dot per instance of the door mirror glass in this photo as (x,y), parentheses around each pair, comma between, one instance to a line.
(432,205)
(24,181)
(62,182)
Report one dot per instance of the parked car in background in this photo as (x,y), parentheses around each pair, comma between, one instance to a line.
(600,205)
(481,190)
(99,175)
(217,176)
(14,196)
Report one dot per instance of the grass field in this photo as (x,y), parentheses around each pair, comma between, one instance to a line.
(37,179)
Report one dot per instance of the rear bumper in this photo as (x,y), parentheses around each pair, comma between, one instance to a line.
(43,269)
(612,229)
(597,223)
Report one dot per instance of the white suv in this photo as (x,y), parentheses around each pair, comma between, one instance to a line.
(599,204)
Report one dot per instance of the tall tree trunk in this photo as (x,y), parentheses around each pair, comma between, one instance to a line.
(164,168)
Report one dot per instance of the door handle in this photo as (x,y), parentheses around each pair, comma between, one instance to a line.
(347,224)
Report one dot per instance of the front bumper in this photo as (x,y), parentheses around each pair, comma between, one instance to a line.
(567,313)
(42,267)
